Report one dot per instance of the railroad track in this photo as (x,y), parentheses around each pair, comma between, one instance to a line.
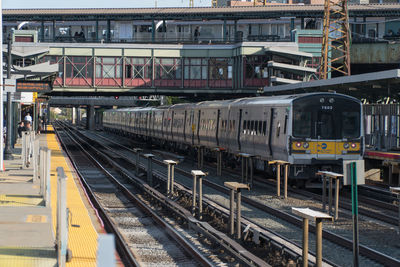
(125,221)
(368,252)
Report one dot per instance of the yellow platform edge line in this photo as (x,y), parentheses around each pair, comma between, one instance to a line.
(82,238)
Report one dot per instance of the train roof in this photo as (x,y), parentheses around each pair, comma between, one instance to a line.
(283,99)
(261,100)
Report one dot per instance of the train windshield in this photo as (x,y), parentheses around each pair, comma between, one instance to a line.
(321,119)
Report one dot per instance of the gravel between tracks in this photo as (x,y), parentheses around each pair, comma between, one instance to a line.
(373,234)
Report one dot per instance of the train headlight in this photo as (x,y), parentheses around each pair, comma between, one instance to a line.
(306,145)
(346,146)
(353,145)
(298,144)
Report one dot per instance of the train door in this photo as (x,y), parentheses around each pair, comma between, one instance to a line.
(198,126)
(239,129)
(192,126)
(324,128)
(184,126)
(270,131)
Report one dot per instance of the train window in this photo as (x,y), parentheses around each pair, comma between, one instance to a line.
(278,129)
(252,127)
(264,130)
(350,124)
(244,127)
(302,124)
(260,127)
(326,125)
(285,125)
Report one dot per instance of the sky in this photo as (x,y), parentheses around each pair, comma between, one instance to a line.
(7,4)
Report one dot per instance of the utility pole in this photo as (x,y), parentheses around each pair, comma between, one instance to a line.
(7,150)
(335,55)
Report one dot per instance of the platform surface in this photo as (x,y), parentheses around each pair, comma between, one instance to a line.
(28,228)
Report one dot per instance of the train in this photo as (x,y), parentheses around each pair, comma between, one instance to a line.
(311,131)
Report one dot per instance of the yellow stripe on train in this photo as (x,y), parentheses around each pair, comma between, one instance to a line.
(325,147)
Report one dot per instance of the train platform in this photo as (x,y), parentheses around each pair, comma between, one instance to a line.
(382,155)
(28,226)
(389,160)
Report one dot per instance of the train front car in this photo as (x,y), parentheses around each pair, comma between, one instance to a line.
(326,129)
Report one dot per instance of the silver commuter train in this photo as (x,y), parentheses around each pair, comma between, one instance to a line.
(312,131)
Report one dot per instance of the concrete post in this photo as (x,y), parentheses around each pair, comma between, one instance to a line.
(23,152)
(318,240)
(194,192)
(149,168)
(105,251)
(238,213)
(286,180)
(278,180)
(78,115)
(42,166)
(137,151)
(170,179)
(90,117)
(197,174)
(305,242)
(232,213)
(308,214)
(36,160)
(62,223)
(74,115)
(279,163)
(337,200)
(235,187)
(47,178)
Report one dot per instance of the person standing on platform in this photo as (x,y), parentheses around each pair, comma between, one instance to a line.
(40,123)
(21,127)
(28,118)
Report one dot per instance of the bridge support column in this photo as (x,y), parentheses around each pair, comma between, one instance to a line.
(98,118)
(77,116)
(74,115)
(90,117)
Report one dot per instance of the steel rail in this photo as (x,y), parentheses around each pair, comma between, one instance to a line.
(278,241)
(205,228)
(122,247)
(344,242)
(172,232)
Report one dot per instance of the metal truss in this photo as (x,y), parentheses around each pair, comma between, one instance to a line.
(138,72)
(336,39)
(79,71)
(110,67)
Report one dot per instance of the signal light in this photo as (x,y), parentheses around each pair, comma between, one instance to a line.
(116,97)
(353,145)
(298,144)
